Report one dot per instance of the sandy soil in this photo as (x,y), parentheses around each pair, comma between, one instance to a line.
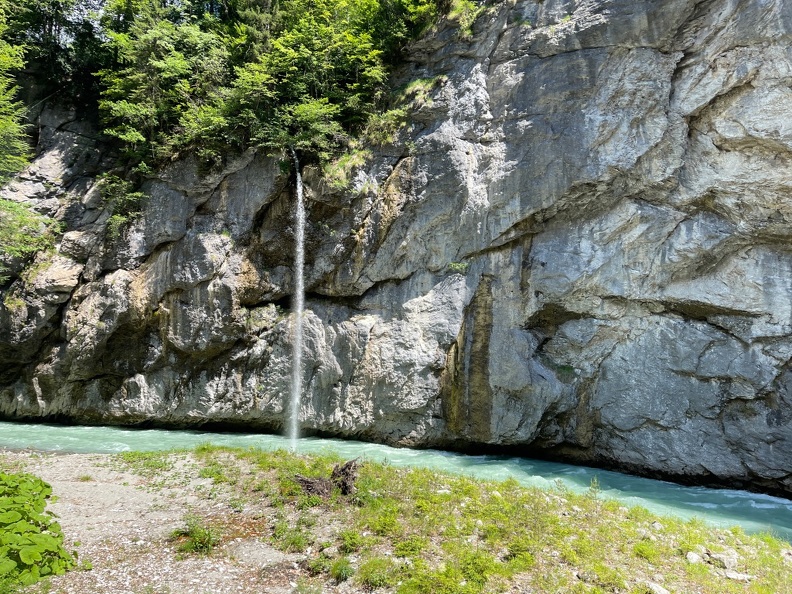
(123,523)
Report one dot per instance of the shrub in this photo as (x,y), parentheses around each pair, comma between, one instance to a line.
(31,542)
(23,232)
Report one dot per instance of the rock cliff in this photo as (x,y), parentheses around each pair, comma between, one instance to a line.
(580,245)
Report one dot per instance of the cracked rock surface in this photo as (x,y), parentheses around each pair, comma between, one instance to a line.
(580,244)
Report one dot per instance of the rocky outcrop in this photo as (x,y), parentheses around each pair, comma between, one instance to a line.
(580,245)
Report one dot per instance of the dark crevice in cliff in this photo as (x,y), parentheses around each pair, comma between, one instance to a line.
(702,311)
(548,319)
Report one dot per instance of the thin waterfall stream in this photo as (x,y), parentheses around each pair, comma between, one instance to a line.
(298,305)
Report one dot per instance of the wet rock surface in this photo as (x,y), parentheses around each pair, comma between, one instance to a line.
(580,245)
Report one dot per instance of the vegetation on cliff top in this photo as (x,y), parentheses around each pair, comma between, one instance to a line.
(204,77)
(218,76)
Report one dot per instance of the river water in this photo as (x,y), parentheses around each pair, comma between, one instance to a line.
(718,507)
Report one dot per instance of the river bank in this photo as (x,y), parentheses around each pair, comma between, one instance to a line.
(407,531)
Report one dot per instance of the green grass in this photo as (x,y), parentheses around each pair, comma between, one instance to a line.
(414,531)
(145,463)
(196,536)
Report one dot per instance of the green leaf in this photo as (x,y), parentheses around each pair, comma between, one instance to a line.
(10,517)
(7,565)
(29,555)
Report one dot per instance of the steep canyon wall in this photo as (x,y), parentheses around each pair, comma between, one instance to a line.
(580,244)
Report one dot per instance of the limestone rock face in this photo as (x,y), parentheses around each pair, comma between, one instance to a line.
(580,244)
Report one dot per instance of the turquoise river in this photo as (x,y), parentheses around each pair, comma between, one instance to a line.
(718,507)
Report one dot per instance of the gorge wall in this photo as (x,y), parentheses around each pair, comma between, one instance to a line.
(581,244)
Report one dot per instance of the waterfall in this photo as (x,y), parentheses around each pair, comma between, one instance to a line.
(298,303)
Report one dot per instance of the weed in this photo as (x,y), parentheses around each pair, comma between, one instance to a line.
(351,541)
(320,564)
(214,471)
(305,586)
(410,547)
(146,463)
(646,549)
(458,267)
(341,570)
(386,522)
(195,537)
(377,572)
(308,501)
(85,478)
(288,539)
(338,173)
(125,205)
(23,233)
(465,12)
(383,128)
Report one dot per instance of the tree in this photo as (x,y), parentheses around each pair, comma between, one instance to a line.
(208,75)
(14,146)
(22,232)
(166,71)
(43,28)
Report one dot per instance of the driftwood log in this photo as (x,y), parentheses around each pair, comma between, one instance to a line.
(343,476)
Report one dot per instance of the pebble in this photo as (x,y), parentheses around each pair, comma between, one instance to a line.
(694,558)
(726,560)
(656,588)
(738,577)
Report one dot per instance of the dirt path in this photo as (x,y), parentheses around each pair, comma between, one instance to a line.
(123,522)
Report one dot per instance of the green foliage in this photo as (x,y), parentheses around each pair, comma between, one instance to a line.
(292,539)
(166,69)
(377,572)
(31,542)
(351,541)
(458,535)
(341,569)
(124,204)
(646,549)
(23,233)
(338,172)
(410,547)
(458,267)
(62,45)
(196,537)
(383,128)
(297,73)
(466,12)
(14,148)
